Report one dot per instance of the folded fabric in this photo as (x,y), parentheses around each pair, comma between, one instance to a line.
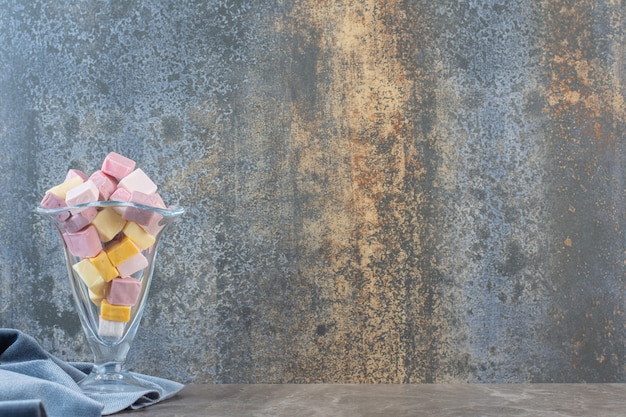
(24,408)
(29,375)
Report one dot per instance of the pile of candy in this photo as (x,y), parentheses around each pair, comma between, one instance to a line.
(109,241)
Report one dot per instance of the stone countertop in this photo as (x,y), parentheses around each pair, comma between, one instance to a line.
(440,400)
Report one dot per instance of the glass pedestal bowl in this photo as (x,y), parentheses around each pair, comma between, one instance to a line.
(110,339)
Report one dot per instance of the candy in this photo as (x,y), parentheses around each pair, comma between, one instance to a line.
(52,201)
(109,240)
(123,291)
(62,189)
(138,235)
(90,275)
(86,192)
(120,194)
(109,223)
(114,312)
(150,200)
(120,251)
(143,217)
(138,181)
(104,266)
(132,265)
(79,220)
(76,173)
(154,227)
(106,184)
(84,243)
(96,298)
(110,328)
(117,166)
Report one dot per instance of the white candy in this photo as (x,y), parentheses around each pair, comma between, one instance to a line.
(109,328)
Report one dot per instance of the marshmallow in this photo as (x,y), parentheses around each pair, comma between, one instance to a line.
(86,192)
(95,276)
(106,184)
(142,216)
(114,312)
(138,235)
(79,220)
(90,276)
(123,291)
(122,250)
(96,298)
(117,166)
(52,201)
(154,227)
(104,266)
(109,239)
(62,189)
(109,223)
(84,243)
(132,265)
(138,181)
(76,173)
(151,200)
(110,328)
(120,194)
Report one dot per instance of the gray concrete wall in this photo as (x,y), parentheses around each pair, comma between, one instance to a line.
(391,191)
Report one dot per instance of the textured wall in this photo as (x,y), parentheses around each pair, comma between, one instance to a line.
(377,191)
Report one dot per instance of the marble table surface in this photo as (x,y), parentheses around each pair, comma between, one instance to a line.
(442,400)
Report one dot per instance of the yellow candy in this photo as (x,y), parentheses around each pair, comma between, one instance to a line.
(114,312)
(104,266)
(139,236)
(62,189)
(118,252)
(108,223)
(96,298)
(90,275)
(98,287)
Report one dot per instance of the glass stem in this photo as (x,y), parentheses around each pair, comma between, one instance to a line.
(105,354)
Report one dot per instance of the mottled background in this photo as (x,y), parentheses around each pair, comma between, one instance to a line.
(377,191)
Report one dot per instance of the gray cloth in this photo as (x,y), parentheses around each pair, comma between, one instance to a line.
(35,383)
(22,408)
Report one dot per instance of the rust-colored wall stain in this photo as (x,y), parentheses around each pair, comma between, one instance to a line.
(582,76)
(585,104)
(375,324)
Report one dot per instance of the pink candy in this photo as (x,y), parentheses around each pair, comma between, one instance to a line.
(138,181)
(79,220)
(76,173)
(124,291)
(84,243)
(120,194)
(51,201)
(117,166)
(106,184)
(144,217)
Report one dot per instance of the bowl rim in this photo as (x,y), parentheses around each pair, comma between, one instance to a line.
(171,211)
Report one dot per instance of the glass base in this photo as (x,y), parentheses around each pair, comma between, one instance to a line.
(111,378)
